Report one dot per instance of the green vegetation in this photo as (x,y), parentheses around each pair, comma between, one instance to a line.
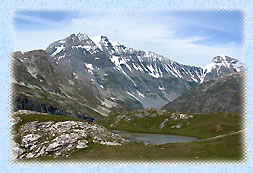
(130,104)
(201,125)
(225,149)
(228,148)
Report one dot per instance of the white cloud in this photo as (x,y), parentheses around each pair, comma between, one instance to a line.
(38,20)
(142,32)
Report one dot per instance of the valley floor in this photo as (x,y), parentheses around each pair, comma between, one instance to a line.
(220,140)
(227,148)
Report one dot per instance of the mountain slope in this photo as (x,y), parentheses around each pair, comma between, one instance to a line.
(83,76)
(220,95)
(150,80)
(39,85)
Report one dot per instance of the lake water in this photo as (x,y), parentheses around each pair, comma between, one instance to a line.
(148,138)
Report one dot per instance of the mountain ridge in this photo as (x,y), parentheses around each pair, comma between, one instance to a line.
(103,75)
(114,48)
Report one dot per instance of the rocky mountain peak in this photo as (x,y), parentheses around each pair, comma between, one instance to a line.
(219,66)
(224,59)
(78,39)
(72,38)
(82,36)
(39,53)
(154,56)
(104,37)
(105,41)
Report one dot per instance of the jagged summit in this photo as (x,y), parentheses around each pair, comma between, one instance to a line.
(82,36)
(219,66)
(227,61)
(224,58)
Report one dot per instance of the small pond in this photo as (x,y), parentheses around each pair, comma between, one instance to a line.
(148,138)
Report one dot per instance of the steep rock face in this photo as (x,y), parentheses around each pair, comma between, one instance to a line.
(221,95)
(39,85)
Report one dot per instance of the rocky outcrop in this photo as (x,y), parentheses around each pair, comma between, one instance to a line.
(119,119)
(59,138)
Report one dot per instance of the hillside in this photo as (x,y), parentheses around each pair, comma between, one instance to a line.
(220,95)
(162,121)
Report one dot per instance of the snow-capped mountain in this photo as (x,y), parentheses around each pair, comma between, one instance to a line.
(99,75)
(120,72)
(101,49)
(219,66)
(150,63)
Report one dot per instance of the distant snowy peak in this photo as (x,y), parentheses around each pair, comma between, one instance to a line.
(219,66)
(224,60)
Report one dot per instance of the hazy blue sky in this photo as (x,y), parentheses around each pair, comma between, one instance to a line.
(188,37)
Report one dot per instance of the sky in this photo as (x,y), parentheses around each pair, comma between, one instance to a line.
(188,37)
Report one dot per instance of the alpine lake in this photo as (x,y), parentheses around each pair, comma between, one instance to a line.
(148,138)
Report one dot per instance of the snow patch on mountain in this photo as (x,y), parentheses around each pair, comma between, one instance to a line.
(118,61)
(193,78)
(155,56)
(114,43)
(89,67)
(97,41)
(153,71)
(140,94)
(60,57)
(32,72)
(161,88)
(132,95)
(218,63)
(137,67)
(62,41)
(58,50)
